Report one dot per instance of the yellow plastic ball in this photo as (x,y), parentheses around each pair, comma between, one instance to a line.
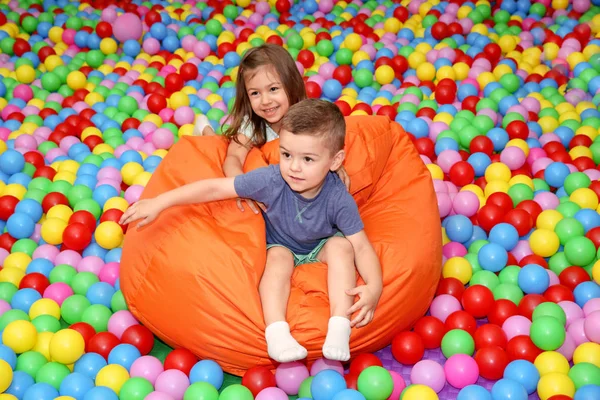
(596,272)
(76,80)
(42,345)
(67,346)
(459,268)
(445,72)
(415,59)
(588,352)
(142,179)
(584,198)
(544,242)
(548,219)
(17,260)
(118,203)
(65,397)
(392,25)
(524,179)
(353,42)
(25,73)
(130,170)
(6,375)
(435,171)
(60,211)
(69,165)
(461,70)
(113,376)
(12,275)
(20,336)
(419,392)
(178,100)
(16,190)
(109,235)
(471,187)
(497,171)
(65,176)
(520,143)
(360,56)
(551,361)
(425,71)
(548,124)
(553,384)
(580,151)
(52,230)
(384,74)
(6,396)
(44,307)
(485,78)
(496,186)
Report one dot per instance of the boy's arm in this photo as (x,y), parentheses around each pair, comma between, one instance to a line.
(369,268)
(201,191)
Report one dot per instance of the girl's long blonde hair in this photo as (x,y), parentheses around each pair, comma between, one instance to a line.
(293,85)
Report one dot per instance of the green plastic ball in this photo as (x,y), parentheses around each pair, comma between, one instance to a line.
(82,281)
(575,181)
(73,307)
(52,373)
(7,291)
(304,390)
(97,315)
(547,333)
(200,390)
(26,246)
(363,78)
(62,273)
(12,315)
(375,383)
(474,261)
(485,278)
(236,392)
(137,388)
(30,362)
(580,251)
(46,323)
(584,373)
(509,275)
(508,291)
(549,309)
(117,303)
(457,341)
(568,228)
(520,192)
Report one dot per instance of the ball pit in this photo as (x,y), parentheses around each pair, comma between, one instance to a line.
(501,100)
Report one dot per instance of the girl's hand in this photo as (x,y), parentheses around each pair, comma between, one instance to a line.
(146,210)
(368,299)
(344,176)
(254,205)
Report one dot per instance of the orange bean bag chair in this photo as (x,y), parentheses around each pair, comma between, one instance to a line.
(192,275)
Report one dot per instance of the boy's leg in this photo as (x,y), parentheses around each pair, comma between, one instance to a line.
(274,290)
(338,254)
(202,126)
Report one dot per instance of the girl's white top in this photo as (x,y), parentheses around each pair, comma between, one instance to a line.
(247,129)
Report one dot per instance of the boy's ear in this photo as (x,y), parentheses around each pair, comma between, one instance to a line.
(337,161)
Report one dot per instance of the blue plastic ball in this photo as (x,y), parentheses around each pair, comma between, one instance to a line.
(24,298)
(20,225)
(505,235)
(7,354)
(20,383)
(100,293)
(533,278)
(349,394)
(524,372)
(556,173)
(459,228)
(327,384)
(90,364)
(124,354)
(492,257)
(76,385)
(40,391)
(587,392)
(507,389)
(586,291)
(11,162)
(207,371)
(101,393)
(474,392)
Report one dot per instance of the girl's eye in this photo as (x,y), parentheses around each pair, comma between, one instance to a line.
(308,159)
(273,89)
(253,93)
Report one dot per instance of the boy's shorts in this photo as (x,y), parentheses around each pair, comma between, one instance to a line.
(300,259)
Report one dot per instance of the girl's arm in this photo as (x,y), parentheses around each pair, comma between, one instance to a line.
(236,156)
(202,191)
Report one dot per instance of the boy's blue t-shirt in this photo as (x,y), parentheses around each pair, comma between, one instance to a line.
(293,221)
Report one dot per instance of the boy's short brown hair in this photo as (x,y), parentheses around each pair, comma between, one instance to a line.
(317,118)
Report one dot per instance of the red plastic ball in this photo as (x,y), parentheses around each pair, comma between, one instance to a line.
(583,163)
(174,82)
(306,58)
(258,378)
(7,241)
(77,236)
(156,103)
(451,286)
(533,259)
(489,216)
(408,348)
(313,90)
(445,94)
(351,380)
(558,293)
(528,303)
(461,320)
(533,208)
(344,107)
(363,361)
(493,52)
(425,147)
(86,330)
(52,199)
(7,206)
(522,348)
(490,335)
(83,217)
(188,71)
(34,158)
(343,74)
(482,144)
(102,343)
(181,359)
(520,219)
(594,235)
(501,200)
(140,337)
(431,330)
(439,30)
(517,130)
(35,281)
(462,173)
(573,276)
(388,111)
(401,13)
(502,310)
(491,361)
(595,186)
(560,397)
(104,29)
(478,301)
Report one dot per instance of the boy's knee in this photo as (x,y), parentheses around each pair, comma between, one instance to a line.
(340,246)
(279,254)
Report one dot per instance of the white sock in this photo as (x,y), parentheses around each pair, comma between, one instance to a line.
(337,342)
(201,123)
(281,345)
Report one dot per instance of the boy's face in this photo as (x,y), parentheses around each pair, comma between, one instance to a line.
(267,95)
(305,162)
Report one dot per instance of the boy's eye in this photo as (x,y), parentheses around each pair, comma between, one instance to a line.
(286,155)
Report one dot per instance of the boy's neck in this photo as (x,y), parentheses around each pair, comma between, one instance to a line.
(312,193)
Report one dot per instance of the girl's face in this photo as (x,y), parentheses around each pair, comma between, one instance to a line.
(267,96)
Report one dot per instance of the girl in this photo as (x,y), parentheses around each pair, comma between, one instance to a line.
(268,83)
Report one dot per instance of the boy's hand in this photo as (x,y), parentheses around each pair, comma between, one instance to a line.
(368,299)
(147,210)
(252,204)
(344,176)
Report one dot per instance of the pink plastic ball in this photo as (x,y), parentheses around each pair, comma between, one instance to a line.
(513,157)
(465,203)
(572,311)
(109,15)
(109,173)
(326,6)
(444,305)
(184,115)
(120,321)
(91,264)
(554,280)
(568,347)
(152,46)
(46,251)
(172,382)
(127,26)
(4,306)
(201,49)
(3,254)
(109,273)
(454,249)
(148,367)
(133,193)
(58,292)
(290,375)
(547,200)
(461,370)
(26,142)
(272,393)
(429,373)
(516,325)
(159,396)
(444,204)
(577,331)
(399,385)
(447,158)
(591,327)
(69,257)
(23,92)
(591,305)
(162,138)
(323,363)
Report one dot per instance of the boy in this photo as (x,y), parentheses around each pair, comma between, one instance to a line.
(309,217)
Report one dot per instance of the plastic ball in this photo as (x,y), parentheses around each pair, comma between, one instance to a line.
(67,346)
(20,336)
